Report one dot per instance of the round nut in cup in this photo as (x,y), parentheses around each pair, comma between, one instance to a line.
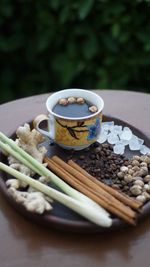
(72,125)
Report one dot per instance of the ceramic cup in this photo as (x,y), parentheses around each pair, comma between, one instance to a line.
(68,132)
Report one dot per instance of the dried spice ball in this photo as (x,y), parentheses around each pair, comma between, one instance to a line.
(80,100)
(128,178)
(136,158)
(147,178)
(93,109)
(144,171)
(136,190)
(139,182)
(146,187)
(141,198)
(135,168)
(124,169)
(135,162)
(120,175)
(130,171)
(143,164)
(72,100)
(63,101)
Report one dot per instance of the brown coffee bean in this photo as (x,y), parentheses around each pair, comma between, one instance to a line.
(97,149)
(92,156)
(97,156)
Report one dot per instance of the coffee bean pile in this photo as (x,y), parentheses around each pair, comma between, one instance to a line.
(100,161)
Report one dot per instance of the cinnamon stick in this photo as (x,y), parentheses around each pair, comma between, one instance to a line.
(125,199)
(117,209)
(89,192)
(91,185)
(91,182)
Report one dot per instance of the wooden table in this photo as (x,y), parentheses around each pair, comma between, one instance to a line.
(29,245)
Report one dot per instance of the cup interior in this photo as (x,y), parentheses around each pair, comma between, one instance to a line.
(89,96)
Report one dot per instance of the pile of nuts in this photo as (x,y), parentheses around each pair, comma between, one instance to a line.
(136,178)
(78,100)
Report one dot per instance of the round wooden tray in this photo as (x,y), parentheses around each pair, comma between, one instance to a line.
(61,217)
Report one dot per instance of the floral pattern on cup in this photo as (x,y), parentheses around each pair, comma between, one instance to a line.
(93,129)
(77,133)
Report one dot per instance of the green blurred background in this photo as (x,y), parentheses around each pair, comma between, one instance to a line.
(49,45)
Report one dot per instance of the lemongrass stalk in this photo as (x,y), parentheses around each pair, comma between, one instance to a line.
(7,148)
(45,172)
(13,149)
(84,210)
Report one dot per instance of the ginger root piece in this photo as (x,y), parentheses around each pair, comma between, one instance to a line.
(34,202)
(13,183)
(29,141)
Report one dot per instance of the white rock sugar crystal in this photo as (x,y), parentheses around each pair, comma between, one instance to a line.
(103,137)
(134,143)
(144,149)
(141,141)
(113,138)
(116,129)
(126,134)
(107,125)
(120,138)
(119,149)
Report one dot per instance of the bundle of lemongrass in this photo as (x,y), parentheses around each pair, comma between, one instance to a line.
(72,198)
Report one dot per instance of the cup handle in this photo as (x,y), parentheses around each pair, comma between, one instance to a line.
(36,123)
